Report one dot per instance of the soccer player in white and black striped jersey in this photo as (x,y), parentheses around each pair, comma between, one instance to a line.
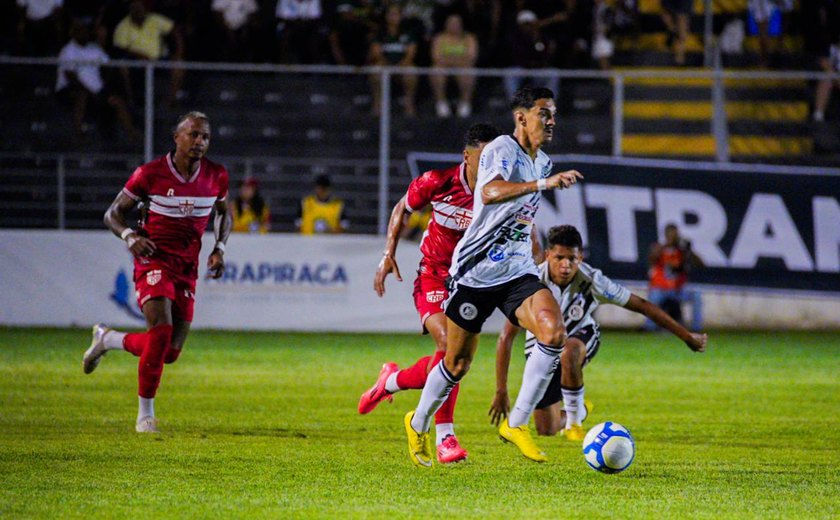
(492,268)
(579,289)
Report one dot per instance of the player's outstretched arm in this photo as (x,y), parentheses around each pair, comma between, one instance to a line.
(499,190)
(388,264)
(222,225)
(695,341)
(500,407)
(115,220)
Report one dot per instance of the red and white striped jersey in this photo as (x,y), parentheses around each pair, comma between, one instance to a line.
(179,208)
(452,200)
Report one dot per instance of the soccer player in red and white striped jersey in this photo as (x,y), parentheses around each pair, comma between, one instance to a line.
(180,190)
(450,194)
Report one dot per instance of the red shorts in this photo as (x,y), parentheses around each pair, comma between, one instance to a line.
(429,294)
(152,282)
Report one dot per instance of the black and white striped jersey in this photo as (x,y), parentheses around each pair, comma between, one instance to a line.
(578,300)
(496,247)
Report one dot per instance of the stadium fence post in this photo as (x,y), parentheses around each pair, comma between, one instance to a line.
(148,144)
(61,191)
(618,113)
(384,151)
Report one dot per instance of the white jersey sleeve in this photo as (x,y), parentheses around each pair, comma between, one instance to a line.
(603,288)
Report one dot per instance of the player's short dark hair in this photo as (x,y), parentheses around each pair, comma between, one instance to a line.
(526,97)
(566,236)
(323,181)
(481,133)
(670,225)
(194,114)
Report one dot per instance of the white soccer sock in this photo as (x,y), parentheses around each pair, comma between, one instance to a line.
(573,404)
(539,368)
(442,430)
(146,408)
(391,385)
(113,340)
(438,385)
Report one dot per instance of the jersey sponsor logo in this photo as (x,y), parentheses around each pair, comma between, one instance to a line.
(514,235)
(526,214)
(154,276)
(496,254)
(170,192)
(435,296)
(468,311)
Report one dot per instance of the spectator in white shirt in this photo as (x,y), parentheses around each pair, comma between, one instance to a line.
(80,83)
(235,19)
(299,30)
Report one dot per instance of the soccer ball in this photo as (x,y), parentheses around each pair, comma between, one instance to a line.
(609,448)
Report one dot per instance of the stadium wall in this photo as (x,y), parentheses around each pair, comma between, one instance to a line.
(290,282)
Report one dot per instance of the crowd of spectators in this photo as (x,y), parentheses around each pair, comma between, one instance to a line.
(524,34)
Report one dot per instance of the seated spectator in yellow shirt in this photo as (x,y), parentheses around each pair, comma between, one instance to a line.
(320,212)
(144,35)
(250,211)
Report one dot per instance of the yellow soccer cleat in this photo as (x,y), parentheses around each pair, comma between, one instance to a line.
(521,437)
(419,444)
(574,433)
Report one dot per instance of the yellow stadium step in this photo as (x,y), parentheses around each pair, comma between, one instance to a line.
(670,145)
(702,110)
(666,81)
(718,6)
(658,41)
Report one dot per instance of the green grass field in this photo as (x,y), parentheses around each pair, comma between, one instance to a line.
(265,425)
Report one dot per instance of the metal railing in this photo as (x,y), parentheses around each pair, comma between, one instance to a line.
(618,80)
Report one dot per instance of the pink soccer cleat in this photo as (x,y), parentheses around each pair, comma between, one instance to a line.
(377,392)
(449,451)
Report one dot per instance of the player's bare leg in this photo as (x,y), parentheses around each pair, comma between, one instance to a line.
(541,315)
(460,349)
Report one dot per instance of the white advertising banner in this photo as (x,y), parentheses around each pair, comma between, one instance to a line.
(291,282)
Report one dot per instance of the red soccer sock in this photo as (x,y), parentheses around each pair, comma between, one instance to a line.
(135,342)
(415,375)
(446,413)
(151,361)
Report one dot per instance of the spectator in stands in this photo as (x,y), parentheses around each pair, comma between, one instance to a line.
(454,48)
(394,45)
(603,46)
(299,30)
(39,27)
(320,212)
(143,35)
(349,36)
(762,11)
(483,18)
(676,15)
(82,85)
(670,263)
(821,18)
(531,50)
(249,210)
(234,21)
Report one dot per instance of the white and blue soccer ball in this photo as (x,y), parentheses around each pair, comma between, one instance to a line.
(609,448)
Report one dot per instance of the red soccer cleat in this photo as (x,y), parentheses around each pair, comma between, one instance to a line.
(450,451)
(377,392)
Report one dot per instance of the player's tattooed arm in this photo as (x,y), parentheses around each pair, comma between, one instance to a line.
(388,264)
(499,190)
(500,407)
(116,220)
(695,341)
(222,224)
